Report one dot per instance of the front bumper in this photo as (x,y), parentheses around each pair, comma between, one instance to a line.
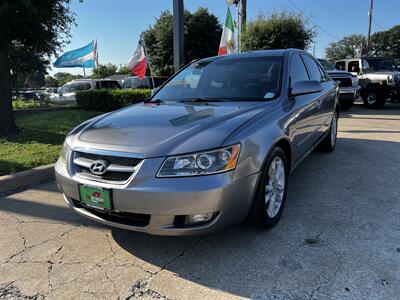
(163,200)
(349,94)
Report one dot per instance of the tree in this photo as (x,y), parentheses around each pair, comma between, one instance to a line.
(26,66)
(64,77)
(102,71)
(386,43)
(41,28)
(277,31)
(350,46)
(51,81)
(202,34)
(123,70)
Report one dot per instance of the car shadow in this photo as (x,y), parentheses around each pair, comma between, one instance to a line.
(331,201)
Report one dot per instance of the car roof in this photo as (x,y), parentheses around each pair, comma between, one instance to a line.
(258,53)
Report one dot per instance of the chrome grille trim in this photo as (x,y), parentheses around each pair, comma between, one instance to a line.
(117,173)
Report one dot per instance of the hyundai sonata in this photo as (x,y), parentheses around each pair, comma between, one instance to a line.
(212,147)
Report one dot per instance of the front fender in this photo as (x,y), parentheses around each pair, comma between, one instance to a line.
(257,138)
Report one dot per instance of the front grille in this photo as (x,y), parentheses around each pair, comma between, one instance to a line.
(111,176)
(125,218)
(119,168)
(344,81)
(117,160)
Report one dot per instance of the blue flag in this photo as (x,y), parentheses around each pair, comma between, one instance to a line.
(82,57)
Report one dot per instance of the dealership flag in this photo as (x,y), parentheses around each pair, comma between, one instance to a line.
(227,44)
(137,64)
(83,57)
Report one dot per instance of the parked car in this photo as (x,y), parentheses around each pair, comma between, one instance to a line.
(212,147)
(349,90)
(29,95)
(379,78)
(134,82)
(67,93)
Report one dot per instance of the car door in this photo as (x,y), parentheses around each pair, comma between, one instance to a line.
(325,99)
(305,108)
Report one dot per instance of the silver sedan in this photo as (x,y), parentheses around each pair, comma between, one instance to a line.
(214,146)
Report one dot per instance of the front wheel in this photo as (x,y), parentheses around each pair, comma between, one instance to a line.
(271,191)
(329,142)
(374,99)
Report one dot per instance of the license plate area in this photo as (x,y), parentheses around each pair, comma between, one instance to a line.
(95,197)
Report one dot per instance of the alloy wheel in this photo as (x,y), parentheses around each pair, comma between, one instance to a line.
(275,187)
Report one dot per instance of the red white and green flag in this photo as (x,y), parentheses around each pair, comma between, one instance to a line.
(228,44)
(138,63)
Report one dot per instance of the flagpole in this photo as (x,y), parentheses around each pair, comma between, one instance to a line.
(148,60)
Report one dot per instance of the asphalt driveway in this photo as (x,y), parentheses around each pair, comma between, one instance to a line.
(339,237)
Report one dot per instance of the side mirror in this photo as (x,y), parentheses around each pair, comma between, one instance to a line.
(306,87)
(155,90)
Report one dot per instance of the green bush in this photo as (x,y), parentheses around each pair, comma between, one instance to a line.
(108,100)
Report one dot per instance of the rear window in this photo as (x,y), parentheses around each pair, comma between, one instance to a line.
(136,83)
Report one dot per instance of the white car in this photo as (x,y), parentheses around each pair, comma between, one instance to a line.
(67,93)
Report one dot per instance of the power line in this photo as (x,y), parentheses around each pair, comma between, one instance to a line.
(376,23)
(311,21)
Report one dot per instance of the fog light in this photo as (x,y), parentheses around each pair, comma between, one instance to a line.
(200,217)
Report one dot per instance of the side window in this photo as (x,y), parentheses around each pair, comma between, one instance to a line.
(324,76)
(340,65)
(354,66)
(312,68)
(298,71)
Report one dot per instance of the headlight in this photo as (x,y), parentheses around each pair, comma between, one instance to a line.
(202,163)
(65,152)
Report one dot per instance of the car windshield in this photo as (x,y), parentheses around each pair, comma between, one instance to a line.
(327,65)
(226,79)
(381,64)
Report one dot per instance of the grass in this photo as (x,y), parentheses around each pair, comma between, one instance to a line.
(40,139)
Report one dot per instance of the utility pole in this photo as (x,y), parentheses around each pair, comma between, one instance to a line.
(244,14)
(178,34)
(369,26)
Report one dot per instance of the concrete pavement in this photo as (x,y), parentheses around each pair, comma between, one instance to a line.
(339,237)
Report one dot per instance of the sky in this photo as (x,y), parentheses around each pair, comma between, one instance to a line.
(117,24)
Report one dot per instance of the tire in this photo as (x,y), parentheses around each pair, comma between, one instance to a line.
(374,99)
(346,106)
(272,186)
(329,142)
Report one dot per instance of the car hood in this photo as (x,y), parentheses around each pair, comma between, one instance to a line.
(165,129)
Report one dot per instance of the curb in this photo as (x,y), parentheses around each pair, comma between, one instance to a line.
(25,179)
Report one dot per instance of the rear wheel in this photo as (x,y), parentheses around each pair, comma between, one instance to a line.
(271,191)
(329,142)
(374,99)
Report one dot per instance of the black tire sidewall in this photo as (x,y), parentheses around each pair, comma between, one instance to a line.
(259,214)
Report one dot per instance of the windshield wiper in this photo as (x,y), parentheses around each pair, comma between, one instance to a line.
(157,101)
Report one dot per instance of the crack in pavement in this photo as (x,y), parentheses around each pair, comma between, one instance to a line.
(141,289)
(37,244)
(9,291)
